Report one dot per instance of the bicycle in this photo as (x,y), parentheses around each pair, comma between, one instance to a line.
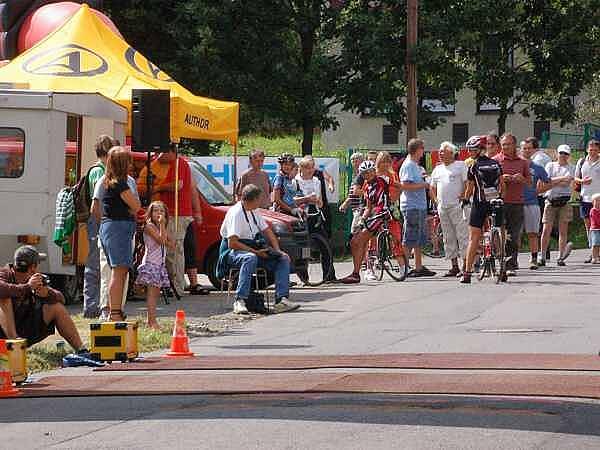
(320,263)
(384,259)
(493,261)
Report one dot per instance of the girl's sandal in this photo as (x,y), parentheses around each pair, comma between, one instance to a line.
(117,315)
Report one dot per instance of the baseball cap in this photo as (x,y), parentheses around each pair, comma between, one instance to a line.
(26,256)
(564,148)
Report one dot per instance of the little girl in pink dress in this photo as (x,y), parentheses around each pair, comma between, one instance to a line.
(152,272)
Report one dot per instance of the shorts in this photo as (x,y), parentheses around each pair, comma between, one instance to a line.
(29,321)
(564,213)
(531,218)
(584,210)
(479,214)
(116,237)
(373,224)
(594,238)
(415,228)
(189,247)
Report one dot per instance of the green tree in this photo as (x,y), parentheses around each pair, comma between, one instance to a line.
(530,57)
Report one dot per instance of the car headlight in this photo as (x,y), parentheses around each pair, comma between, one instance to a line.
(279,228)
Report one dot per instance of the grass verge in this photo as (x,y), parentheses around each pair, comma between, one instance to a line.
(45,355)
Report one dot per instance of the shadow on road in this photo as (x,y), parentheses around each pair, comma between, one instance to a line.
(566,417)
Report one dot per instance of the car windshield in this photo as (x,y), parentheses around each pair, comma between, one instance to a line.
(208,187)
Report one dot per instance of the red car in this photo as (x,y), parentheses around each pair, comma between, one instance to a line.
(292,233)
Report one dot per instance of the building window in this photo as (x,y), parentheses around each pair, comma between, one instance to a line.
(539,127)
(439,103)
(12,152)
(460,133)
(389,135)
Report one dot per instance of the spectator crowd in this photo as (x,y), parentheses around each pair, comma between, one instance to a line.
(535,189)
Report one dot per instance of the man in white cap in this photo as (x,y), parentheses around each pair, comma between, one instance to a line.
(557,207)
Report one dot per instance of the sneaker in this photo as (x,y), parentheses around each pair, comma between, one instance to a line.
(239,307)
(80,359)
(589,260)
(283,304)
(568,250)
(533,265)
(370,276)
(466,278)
(541,263)
(104,315)
(511,273)
(561,263)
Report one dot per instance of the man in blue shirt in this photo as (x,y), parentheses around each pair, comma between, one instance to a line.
(540,182)
(413,204)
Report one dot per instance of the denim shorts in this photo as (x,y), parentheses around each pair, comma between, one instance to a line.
(415,228)
(116,237)
(594,238)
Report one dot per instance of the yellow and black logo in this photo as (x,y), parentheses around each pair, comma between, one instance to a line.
(69,60)
(142,65)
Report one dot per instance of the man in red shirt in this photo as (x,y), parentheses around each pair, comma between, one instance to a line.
(516,175)
(189,210)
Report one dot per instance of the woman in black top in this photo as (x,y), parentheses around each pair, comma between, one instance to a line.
(120,206)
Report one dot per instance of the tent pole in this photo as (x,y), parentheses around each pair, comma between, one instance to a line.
(235,145)
(176,192)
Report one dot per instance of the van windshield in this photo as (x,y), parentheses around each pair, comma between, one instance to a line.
(208,187)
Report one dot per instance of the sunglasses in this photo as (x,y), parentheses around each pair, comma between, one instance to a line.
(563,153)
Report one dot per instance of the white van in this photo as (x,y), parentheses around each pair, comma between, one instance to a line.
(46,143)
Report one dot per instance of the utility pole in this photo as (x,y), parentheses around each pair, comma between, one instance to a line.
(412,10)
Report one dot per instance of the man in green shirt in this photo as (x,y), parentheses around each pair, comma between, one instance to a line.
(91,276)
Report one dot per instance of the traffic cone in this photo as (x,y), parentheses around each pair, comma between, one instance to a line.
(179,343)
(6,385)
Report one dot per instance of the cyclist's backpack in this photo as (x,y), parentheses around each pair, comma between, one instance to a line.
(82,197)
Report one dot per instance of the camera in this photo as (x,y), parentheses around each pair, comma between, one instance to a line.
(45,280)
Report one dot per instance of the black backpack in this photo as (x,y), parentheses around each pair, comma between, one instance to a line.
(82,197)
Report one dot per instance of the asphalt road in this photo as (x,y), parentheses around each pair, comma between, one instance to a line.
(555,310)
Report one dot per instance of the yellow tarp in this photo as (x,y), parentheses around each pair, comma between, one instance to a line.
(84,55)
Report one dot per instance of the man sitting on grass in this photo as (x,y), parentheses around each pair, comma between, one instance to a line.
(29,308)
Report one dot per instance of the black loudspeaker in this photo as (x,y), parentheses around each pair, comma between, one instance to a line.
(150,120)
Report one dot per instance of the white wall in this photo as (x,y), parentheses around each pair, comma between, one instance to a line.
(356,131)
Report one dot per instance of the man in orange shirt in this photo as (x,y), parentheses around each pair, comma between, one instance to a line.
(189,209)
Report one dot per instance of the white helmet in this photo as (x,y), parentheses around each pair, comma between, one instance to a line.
(365,166)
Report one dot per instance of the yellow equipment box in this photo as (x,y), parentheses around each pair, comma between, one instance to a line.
(114,341)
(17,359)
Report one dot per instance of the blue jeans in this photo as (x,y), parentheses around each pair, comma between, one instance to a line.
(247,263)
(91,275)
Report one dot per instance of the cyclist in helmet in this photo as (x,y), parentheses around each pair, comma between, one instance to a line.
(377,202)
(283,186)
(484,183)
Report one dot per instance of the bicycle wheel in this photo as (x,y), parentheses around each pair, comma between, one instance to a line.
(498,255)
(378,261)
(388,262)
(320,262)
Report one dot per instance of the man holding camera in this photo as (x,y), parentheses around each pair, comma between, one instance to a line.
(29,307)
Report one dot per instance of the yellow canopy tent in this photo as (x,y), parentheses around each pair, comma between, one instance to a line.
(84,55)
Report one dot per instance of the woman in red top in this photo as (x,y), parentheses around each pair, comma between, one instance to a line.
(385,171)
(377,198)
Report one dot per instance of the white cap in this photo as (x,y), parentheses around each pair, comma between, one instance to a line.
(564,148)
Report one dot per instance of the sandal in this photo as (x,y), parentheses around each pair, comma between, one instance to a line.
(351,279)
(198,290)
(117,315)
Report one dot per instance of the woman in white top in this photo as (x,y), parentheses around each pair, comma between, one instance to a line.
(308,185)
